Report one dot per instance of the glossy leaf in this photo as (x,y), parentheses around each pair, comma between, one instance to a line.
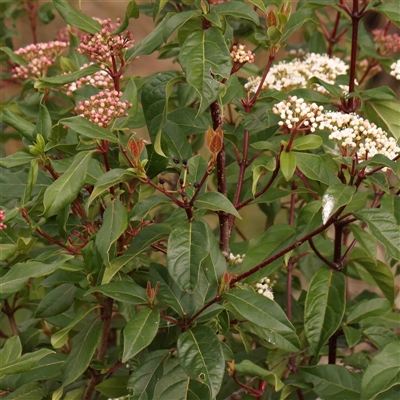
(308,142)
(140,332)
(144,379)
(248,368)
(333,382)
(17,159)
(288,164)
(186,252)
(11,350)
(382,373)
(143,207)
(314,168)
(324,308)
(391,11)
(335,197)
(127,292)
(115,221)
(19,274)
(23,363)
(131,11)
(88,129)
(383,227)
(84,346)
(203,52)
(22,126)
(142,241)
(109,179)
(59,338)
(215,201)
(67,187)
(266,314)
(237,9)
(368,308)
(115,386)
(76,18)
(57,301)
(61,80)
(200,355)
(353,336)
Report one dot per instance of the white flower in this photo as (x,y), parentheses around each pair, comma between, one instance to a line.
(263,287)
(395,67)
(286,76)
(356,135)
(238,259)
(298,114)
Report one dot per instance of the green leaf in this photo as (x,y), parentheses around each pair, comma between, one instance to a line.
(22,126)
(298,19)
(127,292)
(110,178)
(308,142)
(14,57)
(131,11)
(17,159)
(15,279)
(248,368)
(332,382)
(76,18)
(115,386)
(214,201)
(324,307)
(259,4)
(61,80)
(59,338)
(288,164)
(144,379)
(175,384)
(385,114)
(315,168)
(143,207)
(57,301)
(200,355)
(266,314)
(11,350)
(364,239)
(335,197)
(237,9)
(155,95)
(309,218)
(382,373)
(368,308)
(31,391)
(115,221)
(142,241)
(186,251)
(390,10)
(44,123)
(23,363)
(67,187)
(205,52)
(140,332)
(379,336)
(84,346)
(380,274)
(353,336)
(88,129)
(383,227)
(178,20)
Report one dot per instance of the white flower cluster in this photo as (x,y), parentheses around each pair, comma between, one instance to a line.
(298,114)
(264,288)
(240,55)
(238,259)
(119,398)
(355,134)
(286,76)
(395,70)
(100,79)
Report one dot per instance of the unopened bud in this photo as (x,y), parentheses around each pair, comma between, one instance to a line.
(136,147)
(214,140)
(271,19)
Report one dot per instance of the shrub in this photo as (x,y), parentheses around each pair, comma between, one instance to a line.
(130,268)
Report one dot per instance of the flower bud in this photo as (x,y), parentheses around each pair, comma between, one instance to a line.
(271,19)
(136,147)
(214,140)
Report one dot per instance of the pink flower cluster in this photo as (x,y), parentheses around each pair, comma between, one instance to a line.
(40,57)
(388,43)
(240,55)
(2,218)
(103,107)
(63,33)
(104,46)
(99,79)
